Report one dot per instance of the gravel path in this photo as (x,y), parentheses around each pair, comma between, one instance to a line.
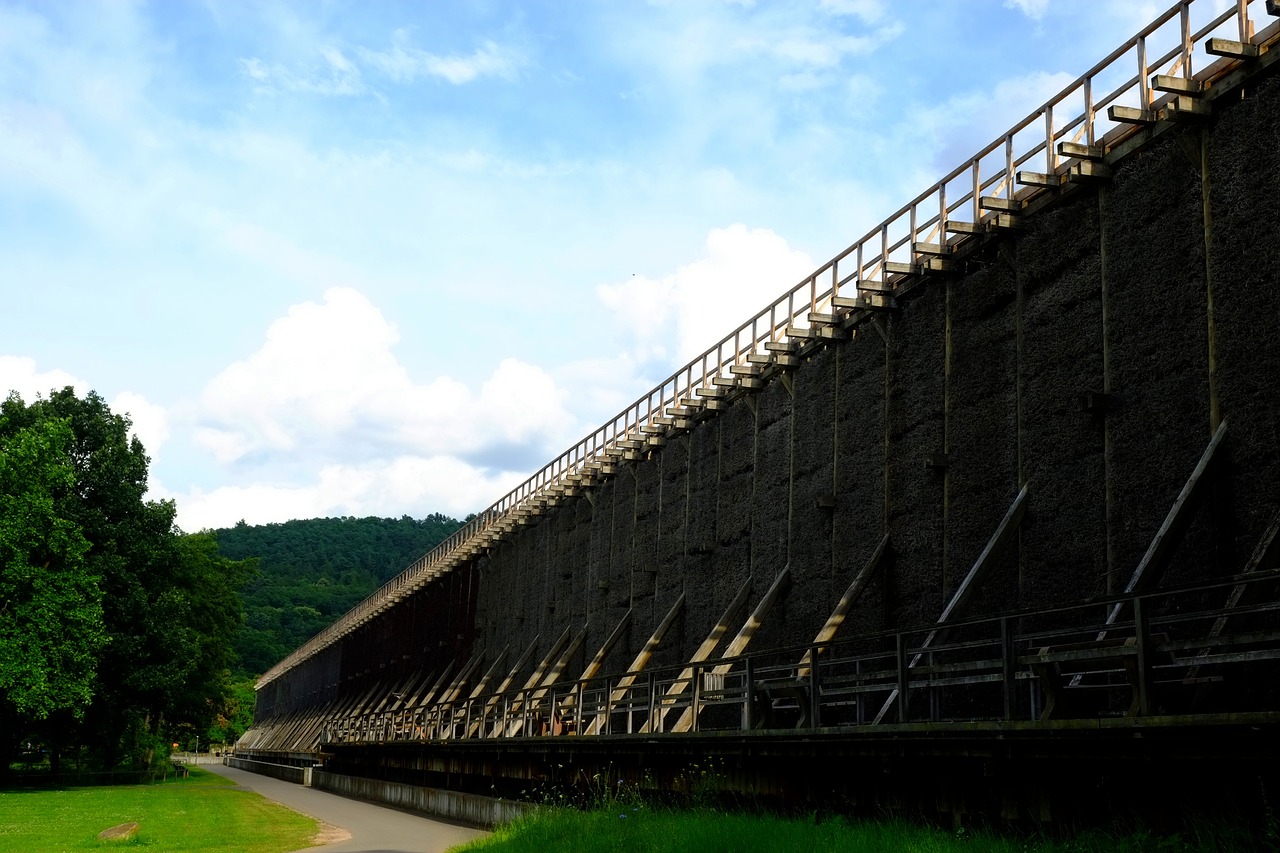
(372,828)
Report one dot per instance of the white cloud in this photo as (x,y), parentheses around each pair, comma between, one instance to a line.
(869,11)
(404,63)
(412,485)
(18,373)
(150,421)
(968,120)
(741,271)
(325,384)
(332,75)
(1034,9)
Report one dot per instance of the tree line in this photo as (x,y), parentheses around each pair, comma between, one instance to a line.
(312,571)
(119,633)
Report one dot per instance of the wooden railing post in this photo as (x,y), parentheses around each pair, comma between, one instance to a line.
(1142,637)
(900,649)
(1008,670)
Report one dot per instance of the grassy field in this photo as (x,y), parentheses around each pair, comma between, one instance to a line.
(204,812)
(630,829)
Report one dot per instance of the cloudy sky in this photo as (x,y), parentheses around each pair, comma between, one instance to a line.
(389,258)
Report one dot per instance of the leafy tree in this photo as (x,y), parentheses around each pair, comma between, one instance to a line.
(51,621)
(169,603)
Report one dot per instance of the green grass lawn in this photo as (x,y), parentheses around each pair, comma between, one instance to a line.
(204,812)
(628,829)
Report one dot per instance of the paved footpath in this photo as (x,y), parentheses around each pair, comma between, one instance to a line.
(374,829)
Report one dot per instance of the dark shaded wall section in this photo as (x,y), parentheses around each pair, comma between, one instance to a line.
(1160,289)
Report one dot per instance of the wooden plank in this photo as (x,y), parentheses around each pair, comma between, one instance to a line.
(991,202)
(864,303)
(931,248)
(460,682)
(1265,556)
(990,554)
(597,661)
(1089,170)
(1080,151)
(846,602)
(1176,84)
(1233,49)
(745,370)
(781,346)
(739,643)
(1184,107)
(959,226)
(483,683)
(639,663)
(1038,179)
(1006,222)
(708,645)
(1131,115)
(900,268)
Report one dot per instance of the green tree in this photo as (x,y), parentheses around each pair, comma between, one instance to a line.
(51,619)
(169,603)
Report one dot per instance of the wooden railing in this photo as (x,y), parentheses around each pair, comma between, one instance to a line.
(1150,76)
(1162,657)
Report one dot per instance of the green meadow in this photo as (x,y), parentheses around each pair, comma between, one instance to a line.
(632,829)
(202,813)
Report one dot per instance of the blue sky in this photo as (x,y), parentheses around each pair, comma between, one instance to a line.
(389,258)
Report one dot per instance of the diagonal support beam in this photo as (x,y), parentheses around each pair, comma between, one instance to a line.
(845,604)
(597,661)
(552,676)
(505,685)
(1265,556)
(1169,536)
(638,664)
(552,654)
(707,646)
(740,642)
(989,556)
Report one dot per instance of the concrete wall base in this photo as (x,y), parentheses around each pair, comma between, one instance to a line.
(297,775)
(452,805)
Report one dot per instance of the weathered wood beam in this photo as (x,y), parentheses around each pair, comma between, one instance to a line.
(739,643)
(1169,536)
(638,664)
(990,554)
(707,646)
(845,604)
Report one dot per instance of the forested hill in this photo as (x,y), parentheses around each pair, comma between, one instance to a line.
(311,572)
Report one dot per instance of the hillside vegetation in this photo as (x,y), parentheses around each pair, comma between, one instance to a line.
(311,572)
